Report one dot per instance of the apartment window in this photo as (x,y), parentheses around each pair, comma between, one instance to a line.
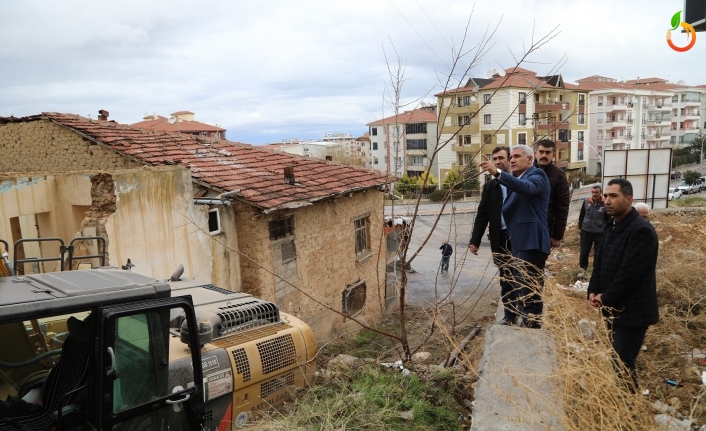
(375,160)
(417,161)
(579,135)
(621,132)
(579,155)
(416,128)
(486,119)
(581,119)
(600,100)
(375,145)
(281,227)
(487,138)
(486,98)
(522,139)
(644,118)
(622,100)
(600,135)
(353,298)
(361,237)
(416,144)
(523,98)
(374,131)
(464,120)
(214,222)
(522,120)
(464,139)
(621,116)
(582,99)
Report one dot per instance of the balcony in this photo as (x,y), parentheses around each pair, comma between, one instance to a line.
(563,163)
(617,107)
(551,125)
(629,121)
(630,104)
(466,149)
(616,124)
(556,106)
(692,116)
(562,145)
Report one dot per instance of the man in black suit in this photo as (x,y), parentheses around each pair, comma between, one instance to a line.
(624,280)
(490,215)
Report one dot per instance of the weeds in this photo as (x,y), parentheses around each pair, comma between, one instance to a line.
(370,398)
(692,201)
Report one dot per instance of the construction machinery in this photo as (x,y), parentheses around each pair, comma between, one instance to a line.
(110,349)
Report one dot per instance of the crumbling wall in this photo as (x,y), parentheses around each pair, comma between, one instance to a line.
(43,146)
(103,205)
(326,264)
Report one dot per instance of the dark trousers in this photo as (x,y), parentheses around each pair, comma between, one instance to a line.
(627,343)
(587,240)
(445,263)
(528,280)
(503,260)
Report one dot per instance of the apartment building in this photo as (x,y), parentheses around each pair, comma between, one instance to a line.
(403,144)
(514,107)
(641,114)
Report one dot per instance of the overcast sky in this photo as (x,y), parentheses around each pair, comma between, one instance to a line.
(268,70)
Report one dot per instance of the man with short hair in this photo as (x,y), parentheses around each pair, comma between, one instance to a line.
(643,209)
(624,281)
(559,194)
(446,252)
(592,220)
(525,214)
(489,214)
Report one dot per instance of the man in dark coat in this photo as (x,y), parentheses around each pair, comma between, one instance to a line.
(592,220)
(446,252)
(525,214)
(559,194)
(490,215)
(624,279)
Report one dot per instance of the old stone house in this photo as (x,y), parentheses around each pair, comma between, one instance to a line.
(304,233)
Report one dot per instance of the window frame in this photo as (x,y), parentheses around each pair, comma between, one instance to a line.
(487,119)
(218,221)
(288,227)
(487,99)
(361,231)
(354,288)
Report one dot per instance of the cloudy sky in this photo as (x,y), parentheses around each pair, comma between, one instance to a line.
(268,70)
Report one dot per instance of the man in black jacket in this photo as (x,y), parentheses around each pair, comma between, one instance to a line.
(560,196)
(624,279)
(592,219)
(490,213)
(446,252)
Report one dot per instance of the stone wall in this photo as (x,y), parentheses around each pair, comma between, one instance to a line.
(42,146)
(325,264)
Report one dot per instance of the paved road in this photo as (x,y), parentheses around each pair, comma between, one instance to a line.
(468,275)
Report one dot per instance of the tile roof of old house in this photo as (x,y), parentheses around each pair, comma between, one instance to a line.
(228,166)
(162,123)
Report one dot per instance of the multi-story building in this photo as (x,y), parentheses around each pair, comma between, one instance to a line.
(485,113)
(641,114)
(403,143)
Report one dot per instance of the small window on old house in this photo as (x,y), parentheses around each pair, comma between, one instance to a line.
(214,222)
(353,298)
(281,227)
(362,248)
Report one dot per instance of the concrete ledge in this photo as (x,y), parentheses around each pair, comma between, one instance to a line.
(518,389)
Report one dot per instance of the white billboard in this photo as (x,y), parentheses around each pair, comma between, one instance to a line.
(647,170)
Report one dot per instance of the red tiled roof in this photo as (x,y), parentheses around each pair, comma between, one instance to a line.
(517,80)
(415,116)
(520,71)
(646,80)
(227,166)
(162,124)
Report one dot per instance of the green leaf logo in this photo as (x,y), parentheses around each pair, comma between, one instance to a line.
(675,20)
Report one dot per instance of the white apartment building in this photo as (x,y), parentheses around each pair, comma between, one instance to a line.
(641,114)
(403,144)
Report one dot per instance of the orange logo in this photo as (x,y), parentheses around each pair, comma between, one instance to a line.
(690,32)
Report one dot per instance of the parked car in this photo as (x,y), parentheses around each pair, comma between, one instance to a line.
(674,193)
(688,189)
(675,175)
(702,183)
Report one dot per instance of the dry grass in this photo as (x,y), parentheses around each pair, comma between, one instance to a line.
(595,397)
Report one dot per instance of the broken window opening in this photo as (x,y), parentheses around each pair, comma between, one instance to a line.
(353,298)
(281,227)
(289,252)
(214,222)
